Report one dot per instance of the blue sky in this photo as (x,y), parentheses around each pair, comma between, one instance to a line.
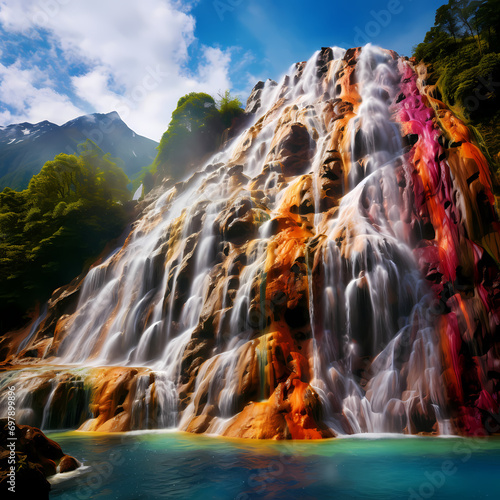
(63,58)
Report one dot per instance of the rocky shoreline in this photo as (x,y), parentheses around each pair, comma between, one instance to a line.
(27,459)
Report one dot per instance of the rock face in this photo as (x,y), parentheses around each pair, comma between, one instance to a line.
(35,457)
(333,270)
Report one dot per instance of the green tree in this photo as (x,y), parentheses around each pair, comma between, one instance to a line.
(436,45)
(230,107)
(446,21)
(59,179)
(71,209)
(488,20)
(193,131)
(465,12)
(105,179)
(467,71)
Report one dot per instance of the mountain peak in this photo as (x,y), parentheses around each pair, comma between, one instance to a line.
(25,147)
(94,118)
(114,115)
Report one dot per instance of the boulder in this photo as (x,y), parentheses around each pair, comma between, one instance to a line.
(293,147)
(36,457)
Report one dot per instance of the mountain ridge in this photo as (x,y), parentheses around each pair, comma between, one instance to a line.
(25,147)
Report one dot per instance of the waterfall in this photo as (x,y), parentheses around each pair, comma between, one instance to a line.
(287,288)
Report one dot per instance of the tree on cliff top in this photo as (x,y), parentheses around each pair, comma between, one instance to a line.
(194,130)
(446,21)
(229,108)
(476,20)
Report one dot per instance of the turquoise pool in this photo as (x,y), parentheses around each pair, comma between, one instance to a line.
(183,466)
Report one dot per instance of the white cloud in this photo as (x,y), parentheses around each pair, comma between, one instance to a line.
(214,71)
(27,92)
(137,53)
(13,16)
(93,87)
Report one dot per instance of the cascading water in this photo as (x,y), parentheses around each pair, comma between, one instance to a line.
(366,240)
(289,288)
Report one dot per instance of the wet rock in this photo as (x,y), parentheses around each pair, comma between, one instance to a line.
(113,388)
(422,418)
(36,458)
(294,149)
(335,109)
(281,417)
(332,179)
(259,421)
(324,57)
(199,424)
(254,100)
(240,221)
(68,464)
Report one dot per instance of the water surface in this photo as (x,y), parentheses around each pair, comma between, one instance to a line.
(184,466)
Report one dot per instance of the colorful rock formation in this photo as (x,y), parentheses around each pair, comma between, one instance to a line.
(333,270)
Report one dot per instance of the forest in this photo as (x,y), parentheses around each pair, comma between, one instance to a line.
(463,48)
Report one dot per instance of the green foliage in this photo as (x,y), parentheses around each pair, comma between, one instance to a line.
(464,50)
(446,21)
(70,210)
(436,45)
(229,108)
(468,82)
(194,130)
(488,22)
